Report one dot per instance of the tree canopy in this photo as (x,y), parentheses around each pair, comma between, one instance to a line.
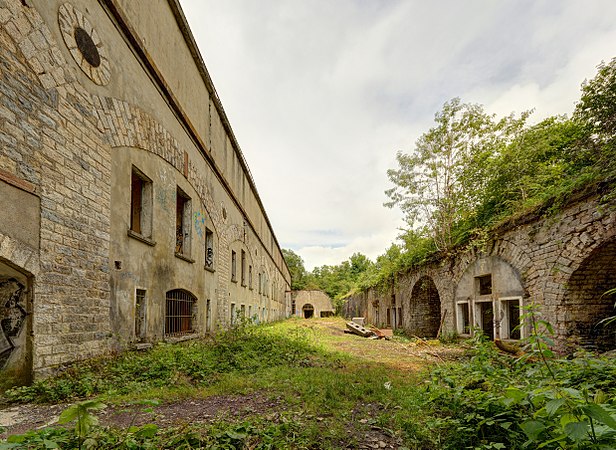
(472,170)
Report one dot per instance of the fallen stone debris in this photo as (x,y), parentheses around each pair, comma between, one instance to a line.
(371,333)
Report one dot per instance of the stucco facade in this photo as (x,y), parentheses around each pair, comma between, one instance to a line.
(563,263)
(129,214)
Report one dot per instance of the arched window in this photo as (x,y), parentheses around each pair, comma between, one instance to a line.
(179,313)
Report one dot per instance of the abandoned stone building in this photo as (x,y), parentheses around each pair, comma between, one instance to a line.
(129,214)
(563,263)
(308,304)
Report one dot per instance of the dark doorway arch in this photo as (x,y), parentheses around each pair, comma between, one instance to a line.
(15,325)
(308,311)
(587,303)
(425,308)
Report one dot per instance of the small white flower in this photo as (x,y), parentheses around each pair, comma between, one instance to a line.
(388,385)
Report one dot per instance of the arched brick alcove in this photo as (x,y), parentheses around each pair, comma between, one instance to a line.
(425,308)
(586,301)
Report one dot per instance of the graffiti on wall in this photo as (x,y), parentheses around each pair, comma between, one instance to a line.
(12,316)
(199,223)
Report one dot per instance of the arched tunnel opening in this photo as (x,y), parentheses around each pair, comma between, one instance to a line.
(588,301)
(425,308)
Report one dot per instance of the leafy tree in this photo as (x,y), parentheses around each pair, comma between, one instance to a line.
(597,111)
(296,267)
(439,184)
(539,163)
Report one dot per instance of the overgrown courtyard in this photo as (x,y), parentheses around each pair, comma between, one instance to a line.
(306,384)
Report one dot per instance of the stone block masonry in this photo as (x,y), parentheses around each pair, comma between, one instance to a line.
(75,120)
(563,262)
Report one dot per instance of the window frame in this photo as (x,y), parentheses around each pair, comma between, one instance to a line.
(183,228)
(140,218)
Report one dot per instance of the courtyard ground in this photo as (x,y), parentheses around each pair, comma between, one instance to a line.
(305,394)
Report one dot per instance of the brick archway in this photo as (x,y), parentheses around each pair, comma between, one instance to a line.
(425,308)
(586,302)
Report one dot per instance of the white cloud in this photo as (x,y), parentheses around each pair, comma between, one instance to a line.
(321,94)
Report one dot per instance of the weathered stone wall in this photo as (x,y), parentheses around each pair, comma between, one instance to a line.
(563,262)
(312,303)
(75,120)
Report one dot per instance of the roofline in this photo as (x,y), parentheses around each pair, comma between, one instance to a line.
(132,37)
(178,12)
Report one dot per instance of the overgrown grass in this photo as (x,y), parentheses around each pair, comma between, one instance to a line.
(327,399)
(241,351)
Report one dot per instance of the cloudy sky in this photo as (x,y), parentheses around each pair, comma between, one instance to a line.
(322,93)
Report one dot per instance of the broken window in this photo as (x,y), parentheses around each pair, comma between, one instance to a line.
(209,249)
(233,266)
(259,280)
(484,285)
(243,268)
(232,314)
(140,203)
(140,315)
(182,223)
(464,318)
(484,313)
(179,312)
(510,309)
(243,311)
(250,277)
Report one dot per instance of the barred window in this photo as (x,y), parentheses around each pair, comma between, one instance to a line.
(179,313)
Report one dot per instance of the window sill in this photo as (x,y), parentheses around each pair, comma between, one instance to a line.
(140,346)
(209,269)
(233,281)
(140,237)
(184,257)
(186,337)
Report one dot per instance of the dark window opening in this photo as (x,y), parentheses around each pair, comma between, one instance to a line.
(513,316)
(233,266)
(179,313)
(140,203)
(243,268)
(209,249)
(484,284)
(87,47)
(182,223)
(140,315)
(464,318)
(250,277)
(486,316)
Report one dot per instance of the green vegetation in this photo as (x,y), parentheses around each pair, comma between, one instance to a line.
(332,390)
(473,171)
